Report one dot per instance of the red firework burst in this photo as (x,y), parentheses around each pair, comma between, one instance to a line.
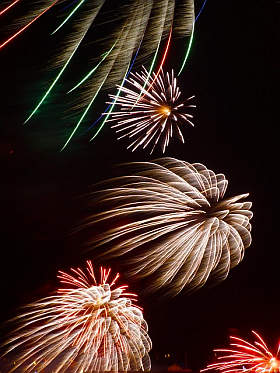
(246,357)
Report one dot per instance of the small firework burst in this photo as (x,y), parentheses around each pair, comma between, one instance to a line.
(151,110)
(246,357)
(85,327)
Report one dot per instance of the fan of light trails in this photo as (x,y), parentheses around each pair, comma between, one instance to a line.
(86,327)
(137,26)
(170,219)
(151,115)
(243,356)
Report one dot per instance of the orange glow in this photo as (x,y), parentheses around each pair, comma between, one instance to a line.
(165,110)
(274,365)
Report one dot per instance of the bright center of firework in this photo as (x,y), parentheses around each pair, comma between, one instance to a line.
(274,365)
(98,301)
(165,110)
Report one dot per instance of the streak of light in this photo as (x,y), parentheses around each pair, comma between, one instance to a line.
(8,7)
(26,26)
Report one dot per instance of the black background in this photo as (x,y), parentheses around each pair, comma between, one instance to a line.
(231,70)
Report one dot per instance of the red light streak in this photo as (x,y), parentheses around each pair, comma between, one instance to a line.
(8,7)
(160,67)
(26,26)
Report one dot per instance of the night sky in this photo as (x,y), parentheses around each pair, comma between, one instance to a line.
(231,72)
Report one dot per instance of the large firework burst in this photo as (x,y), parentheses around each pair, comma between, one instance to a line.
(151,110)
(243,356)
(136,31)
(86,327)
(171,217)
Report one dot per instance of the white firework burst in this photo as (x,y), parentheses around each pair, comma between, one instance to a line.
(171,221)
(86,327)
(151,110)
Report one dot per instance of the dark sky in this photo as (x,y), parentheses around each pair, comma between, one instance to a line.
(231,72)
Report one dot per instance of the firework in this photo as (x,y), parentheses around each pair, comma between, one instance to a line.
(151,110)
(171,220)
(137,29)
(243,356)
(86,327)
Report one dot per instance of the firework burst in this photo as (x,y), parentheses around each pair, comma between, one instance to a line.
(87,326)
(137,30)
(151,110)
(243,356)
(171,220)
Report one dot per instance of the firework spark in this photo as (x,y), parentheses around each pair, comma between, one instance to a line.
(171,220)
(150,115)
(243,356)
(86,327)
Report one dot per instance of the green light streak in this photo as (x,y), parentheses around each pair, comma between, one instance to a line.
(94,69)
(54,82)
(111,109)
(69,16)
(188,51)
(82,117)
